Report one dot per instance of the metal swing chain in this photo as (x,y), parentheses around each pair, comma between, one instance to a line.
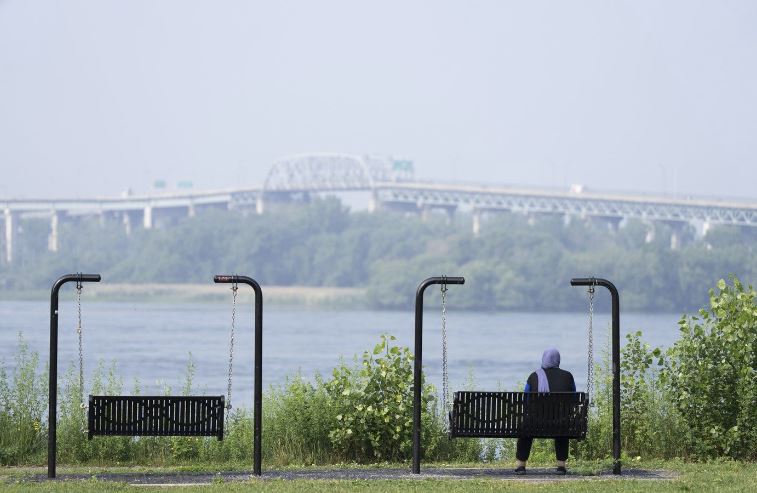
(234,289)
(590,363)
(79,288)
(445,376)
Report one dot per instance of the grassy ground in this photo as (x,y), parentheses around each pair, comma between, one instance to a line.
(714,476)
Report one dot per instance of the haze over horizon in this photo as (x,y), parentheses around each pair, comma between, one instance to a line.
(654,97)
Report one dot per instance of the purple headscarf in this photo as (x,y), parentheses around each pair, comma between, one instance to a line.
(550,359)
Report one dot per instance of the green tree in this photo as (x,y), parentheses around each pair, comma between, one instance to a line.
(712,373)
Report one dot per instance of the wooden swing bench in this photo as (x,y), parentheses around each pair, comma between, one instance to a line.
(519,414)
(124,415)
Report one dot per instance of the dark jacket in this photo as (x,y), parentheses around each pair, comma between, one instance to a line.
(559,381)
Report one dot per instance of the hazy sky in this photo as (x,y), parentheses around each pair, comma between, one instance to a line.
(656,96)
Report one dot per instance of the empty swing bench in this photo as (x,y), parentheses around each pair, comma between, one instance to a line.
(125,415)
(164,415)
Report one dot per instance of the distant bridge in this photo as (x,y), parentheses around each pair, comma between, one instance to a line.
(391,185)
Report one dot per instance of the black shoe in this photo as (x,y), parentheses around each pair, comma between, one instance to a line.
(561,471)
(520,470)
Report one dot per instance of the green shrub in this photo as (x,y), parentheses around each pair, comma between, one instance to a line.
(373,405)
(650,424)
(363,413)
(712,373)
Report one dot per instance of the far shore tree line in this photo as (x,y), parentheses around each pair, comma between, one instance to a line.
(513,264)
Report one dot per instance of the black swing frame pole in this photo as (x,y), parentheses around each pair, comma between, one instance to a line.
(595,281)
(52,383)
(418,362)
(258,397)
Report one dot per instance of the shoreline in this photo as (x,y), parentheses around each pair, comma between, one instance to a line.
(202,293)
(287,296)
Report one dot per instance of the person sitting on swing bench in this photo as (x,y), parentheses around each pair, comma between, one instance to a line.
(548,378)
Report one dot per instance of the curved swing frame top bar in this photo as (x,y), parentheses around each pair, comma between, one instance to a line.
(258,397)
(52,410)
(418,362)
(418,365)
(615,350)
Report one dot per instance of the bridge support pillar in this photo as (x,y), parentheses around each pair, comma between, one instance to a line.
(703,228)
(127,222)
(191,211)
(425,213)
(52,239)
(677,234)
(102,218)
(649,238)
(450,213)
(373,202)
(476,222)
(259,206)
(613,223)
(147,218)
(10,234)
(675,240)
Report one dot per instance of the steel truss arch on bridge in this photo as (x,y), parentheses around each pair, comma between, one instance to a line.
(332,172)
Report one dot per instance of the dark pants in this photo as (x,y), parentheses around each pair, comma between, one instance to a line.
(523,449)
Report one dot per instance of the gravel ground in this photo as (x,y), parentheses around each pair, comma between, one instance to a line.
(537,474)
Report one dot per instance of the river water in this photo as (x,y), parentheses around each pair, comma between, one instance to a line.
(152,341)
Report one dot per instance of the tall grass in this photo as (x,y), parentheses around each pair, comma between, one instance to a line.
(299,419)
(650,425)
(23,403)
